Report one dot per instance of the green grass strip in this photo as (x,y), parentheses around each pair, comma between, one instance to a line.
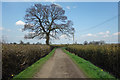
(89,69)
(30,71)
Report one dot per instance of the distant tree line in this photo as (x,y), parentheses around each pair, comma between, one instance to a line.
(21,42)
(94,42)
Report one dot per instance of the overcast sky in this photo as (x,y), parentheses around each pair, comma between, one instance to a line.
(92,21)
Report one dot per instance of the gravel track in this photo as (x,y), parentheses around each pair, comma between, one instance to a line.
(59,66)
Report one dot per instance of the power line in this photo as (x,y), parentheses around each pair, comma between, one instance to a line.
(110,19)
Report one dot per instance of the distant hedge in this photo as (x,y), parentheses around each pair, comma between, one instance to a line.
(16,58)
(104,56)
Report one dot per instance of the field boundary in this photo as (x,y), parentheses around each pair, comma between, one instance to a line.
(31,70)
(89,69)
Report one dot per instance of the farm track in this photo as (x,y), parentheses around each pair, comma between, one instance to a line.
(59,66)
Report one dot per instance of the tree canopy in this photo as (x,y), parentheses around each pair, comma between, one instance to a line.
(46,22)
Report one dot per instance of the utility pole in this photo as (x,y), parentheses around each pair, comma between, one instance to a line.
(73,37)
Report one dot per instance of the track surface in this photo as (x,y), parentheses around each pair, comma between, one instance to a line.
(59,66)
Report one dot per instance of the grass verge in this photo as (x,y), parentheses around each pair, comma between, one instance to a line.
(30,71)
(89,69)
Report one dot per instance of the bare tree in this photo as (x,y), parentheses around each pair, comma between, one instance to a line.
(85,43)
(46,22)
(4,39)
(21,42)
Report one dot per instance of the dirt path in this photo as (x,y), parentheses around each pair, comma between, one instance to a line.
(59,66)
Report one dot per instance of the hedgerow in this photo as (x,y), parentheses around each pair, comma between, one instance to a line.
(16,58)
(104,56)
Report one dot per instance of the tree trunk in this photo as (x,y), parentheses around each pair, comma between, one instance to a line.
(47,39)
